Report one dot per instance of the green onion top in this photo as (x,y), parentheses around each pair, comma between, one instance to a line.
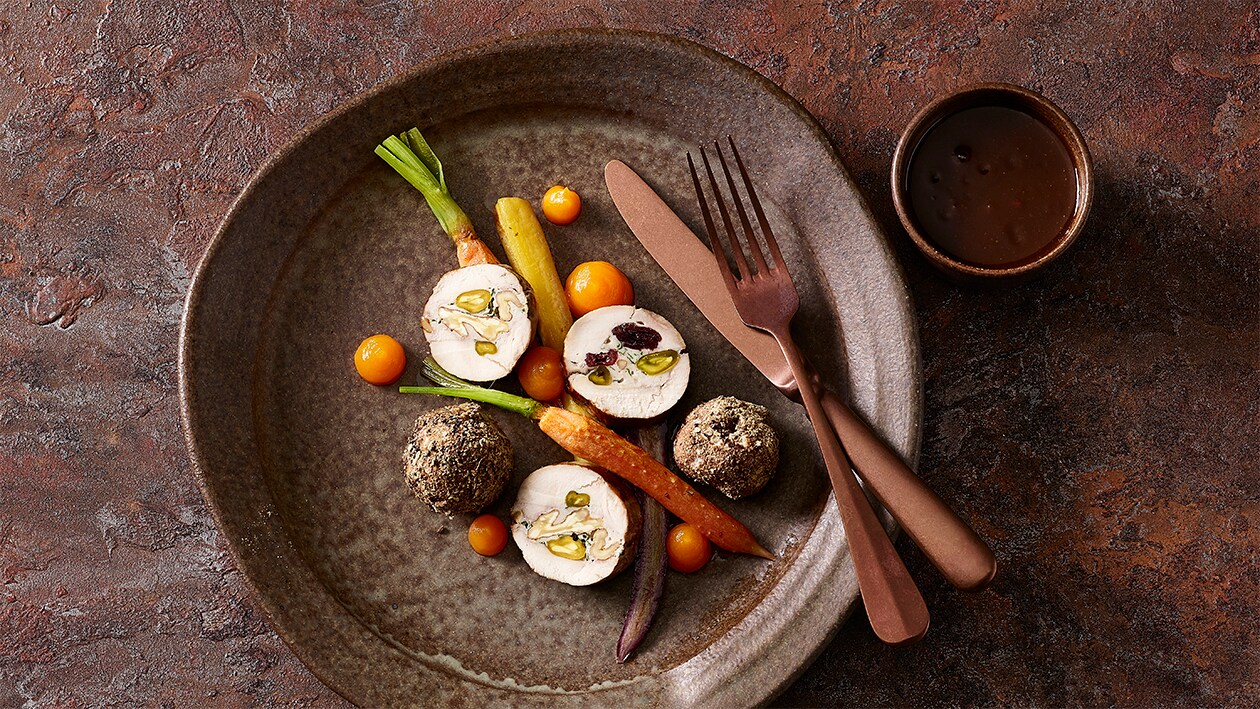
(412,158)
(451,385)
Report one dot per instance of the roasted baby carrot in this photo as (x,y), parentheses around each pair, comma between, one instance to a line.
(522,237)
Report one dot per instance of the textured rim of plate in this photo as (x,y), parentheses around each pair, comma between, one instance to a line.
(757,680)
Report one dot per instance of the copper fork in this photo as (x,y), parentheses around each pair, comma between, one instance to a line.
(766,299)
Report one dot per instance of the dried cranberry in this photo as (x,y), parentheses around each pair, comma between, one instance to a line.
(636,336)
(597,359)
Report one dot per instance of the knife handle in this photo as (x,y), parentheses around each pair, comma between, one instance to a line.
(944,538)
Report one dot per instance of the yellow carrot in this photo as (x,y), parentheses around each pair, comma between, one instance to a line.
(527,251)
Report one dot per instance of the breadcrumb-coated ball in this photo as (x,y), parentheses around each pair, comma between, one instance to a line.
(728,443)
(458,459)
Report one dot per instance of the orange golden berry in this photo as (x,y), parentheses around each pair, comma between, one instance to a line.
(561,205)
(687,548)
(487,535)
(380,360)
(541,372)
(596,284)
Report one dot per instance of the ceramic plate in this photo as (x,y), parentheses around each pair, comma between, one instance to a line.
(300,460)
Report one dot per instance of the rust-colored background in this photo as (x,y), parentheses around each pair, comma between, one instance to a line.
(1099,425)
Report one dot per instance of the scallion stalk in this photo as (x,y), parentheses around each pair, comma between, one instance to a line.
(411,157)
(450,385)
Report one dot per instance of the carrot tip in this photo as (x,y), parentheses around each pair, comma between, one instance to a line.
(762,552)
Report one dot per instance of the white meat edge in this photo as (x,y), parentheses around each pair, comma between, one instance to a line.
(636,395)
(457,353)
(544,490)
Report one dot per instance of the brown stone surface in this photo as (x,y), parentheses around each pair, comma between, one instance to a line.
(1099,425)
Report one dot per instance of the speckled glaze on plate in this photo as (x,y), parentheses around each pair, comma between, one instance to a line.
(300,460)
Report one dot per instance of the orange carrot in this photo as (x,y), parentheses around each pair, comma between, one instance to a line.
(590,440)
(472,251)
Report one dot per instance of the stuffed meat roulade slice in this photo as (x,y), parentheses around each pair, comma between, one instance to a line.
(479,321)
(626,362)
(574,524)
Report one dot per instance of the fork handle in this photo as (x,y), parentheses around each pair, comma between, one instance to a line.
(893,603)
(944,538)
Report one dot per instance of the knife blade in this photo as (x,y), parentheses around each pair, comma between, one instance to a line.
(690,265)
(948,542)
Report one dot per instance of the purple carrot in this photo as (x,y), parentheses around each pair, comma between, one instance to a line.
(652,563)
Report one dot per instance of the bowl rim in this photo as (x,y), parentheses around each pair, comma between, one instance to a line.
(993,93)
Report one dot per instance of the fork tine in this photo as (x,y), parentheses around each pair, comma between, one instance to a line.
(733,240)
(756,204)
(719,251)
(749,234)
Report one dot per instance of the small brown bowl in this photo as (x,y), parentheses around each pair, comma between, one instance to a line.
(993,94)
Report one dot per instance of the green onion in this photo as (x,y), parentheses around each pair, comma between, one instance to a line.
(412,158)
(435,373)
(451,385)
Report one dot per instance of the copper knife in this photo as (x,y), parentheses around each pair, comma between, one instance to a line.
(944,538)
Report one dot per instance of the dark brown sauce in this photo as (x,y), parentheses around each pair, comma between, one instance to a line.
(992,186)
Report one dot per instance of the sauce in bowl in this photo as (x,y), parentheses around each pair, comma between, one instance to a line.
(992,186)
